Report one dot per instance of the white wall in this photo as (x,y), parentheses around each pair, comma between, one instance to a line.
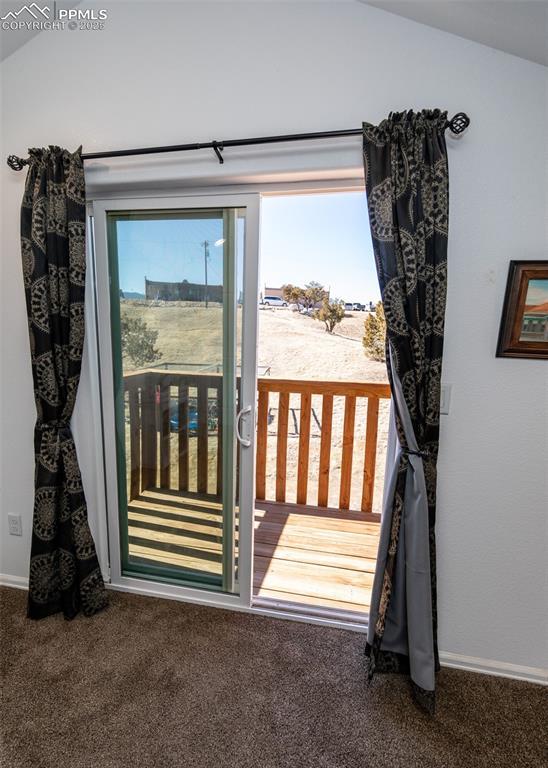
(185,72)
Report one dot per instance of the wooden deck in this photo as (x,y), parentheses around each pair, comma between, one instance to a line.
(308,555)
(176,529)
(315,556)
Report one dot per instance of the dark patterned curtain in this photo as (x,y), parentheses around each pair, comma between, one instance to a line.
(64,571)
(406,176)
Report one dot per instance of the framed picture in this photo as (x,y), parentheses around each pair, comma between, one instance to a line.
(524,323)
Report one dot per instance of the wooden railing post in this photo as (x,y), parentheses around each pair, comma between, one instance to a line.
(325,450)
(165,435)
(220,439)
(281,447)
(182,428)
(304,447)
(203,459)
(148,432)
(370,453)
(347,451)
(262,440)
(134,443)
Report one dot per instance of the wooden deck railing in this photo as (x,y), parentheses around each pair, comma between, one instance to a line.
(166,409)
(158,404)
(350,391)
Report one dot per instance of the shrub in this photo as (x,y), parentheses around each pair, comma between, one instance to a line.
(138,340)
(374,337)
(291,293)
(308,297)
(331,313)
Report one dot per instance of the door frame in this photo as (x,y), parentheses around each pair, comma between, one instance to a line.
(104,410)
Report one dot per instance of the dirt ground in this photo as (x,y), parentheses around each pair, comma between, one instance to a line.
(297,346)
(290,345)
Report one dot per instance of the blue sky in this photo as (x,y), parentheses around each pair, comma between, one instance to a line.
(303,238)
(537,292)
(319,237)
(168,250)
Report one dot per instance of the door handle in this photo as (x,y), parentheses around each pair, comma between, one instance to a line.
(245,442)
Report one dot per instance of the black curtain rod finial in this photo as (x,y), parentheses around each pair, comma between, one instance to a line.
(17,163)
(459,123)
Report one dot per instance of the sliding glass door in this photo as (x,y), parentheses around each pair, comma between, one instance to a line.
(182,388)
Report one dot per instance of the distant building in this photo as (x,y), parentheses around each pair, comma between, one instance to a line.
(278,292)
(535,323)
(183,291)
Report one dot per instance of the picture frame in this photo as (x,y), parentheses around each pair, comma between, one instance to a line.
(524,322)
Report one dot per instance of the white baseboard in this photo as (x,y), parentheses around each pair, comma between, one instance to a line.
(17,582)
(496,668)
(447,659)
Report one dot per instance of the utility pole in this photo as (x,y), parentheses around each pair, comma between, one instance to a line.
(206,257)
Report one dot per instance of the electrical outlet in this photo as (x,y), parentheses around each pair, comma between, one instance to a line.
(445,400)
(15,525)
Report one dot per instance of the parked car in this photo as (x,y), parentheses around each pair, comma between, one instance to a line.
(274,301)
(348,306)
(358,307)
(212,416)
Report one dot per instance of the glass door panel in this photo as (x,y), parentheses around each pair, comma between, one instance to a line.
(176,282)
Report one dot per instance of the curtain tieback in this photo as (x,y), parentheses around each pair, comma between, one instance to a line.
(57,426)
(409,452)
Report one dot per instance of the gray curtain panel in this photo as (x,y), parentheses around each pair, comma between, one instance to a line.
(64,571)
(406,173)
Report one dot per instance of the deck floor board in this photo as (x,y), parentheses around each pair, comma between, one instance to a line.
(322,558)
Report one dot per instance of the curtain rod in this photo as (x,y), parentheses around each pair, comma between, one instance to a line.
(456,125)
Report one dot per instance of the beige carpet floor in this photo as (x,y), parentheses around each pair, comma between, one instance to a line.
(153,683)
